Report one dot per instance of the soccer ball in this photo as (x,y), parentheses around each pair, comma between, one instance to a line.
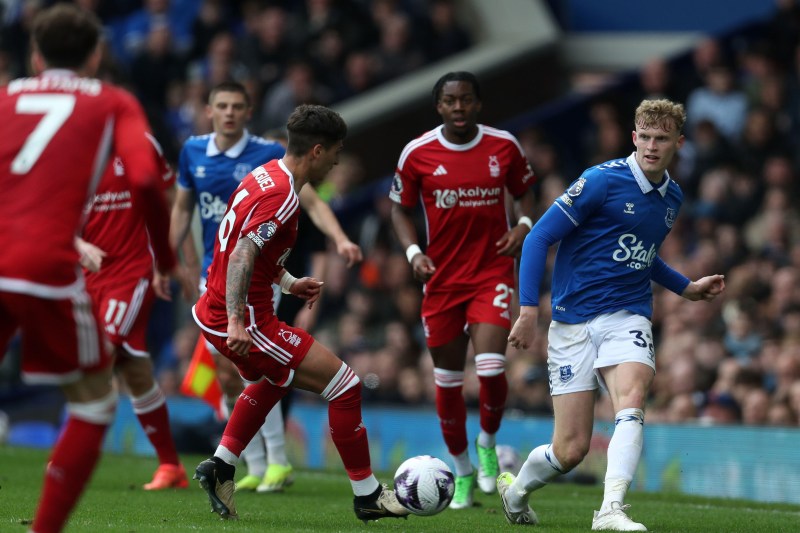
(424,485)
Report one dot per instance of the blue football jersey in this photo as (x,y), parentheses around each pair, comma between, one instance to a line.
(214,175)
(604,265)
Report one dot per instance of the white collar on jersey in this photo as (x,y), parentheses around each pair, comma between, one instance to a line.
(288,172)
(233,152)
(458,147)
(645,184)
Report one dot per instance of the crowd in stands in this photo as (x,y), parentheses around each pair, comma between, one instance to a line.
(736,360)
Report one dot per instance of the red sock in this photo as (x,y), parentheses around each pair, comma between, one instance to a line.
(492,396)
(349,434)
(452,418)
(249,413)
(71,465)
(151,410)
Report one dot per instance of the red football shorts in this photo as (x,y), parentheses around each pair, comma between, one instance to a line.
(123,308)
(61,339)
(277,351)
(446,314)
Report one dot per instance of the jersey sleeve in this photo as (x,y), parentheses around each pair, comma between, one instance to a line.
(405,183)
(185,178)
(520,175)
(165,170)
(584,196)
(268,218)
(136,152)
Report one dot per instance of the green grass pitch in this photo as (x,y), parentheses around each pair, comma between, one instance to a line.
(322,501)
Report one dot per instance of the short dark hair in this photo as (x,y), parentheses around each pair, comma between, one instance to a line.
(66,35)
(309,125)
(460,75)
(229,86)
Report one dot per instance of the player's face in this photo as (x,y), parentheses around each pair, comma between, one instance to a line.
(655,148)
(324,162)
(229,113)
(458,106)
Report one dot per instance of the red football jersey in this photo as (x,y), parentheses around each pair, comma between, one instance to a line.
(265,209)
(57,132)
(111,215)
(462,191)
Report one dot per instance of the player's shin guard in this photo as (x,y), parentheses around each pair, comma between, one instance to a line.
(451,409)
(490,368)
(151,410)
(247,417)
(347,428)
(624,452)
(73,460)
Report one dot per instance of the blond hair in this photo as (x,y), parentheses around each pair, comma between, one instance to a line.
(661,114)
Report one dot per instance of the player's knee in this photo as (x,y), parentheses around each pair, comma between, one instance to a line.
(100,411)
(344,385)
(571,453)
(490,364)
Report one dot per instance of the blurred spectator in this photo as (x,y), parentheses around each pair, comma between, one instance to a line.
(719,101)
(298,86)
(445,36)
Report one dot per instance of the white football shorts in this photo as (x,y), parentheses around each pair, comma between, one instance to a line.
(576,351)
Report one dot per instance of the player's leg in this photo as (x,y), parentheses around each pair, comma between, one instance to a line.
(125,309)
(150,406)
(323,373)
(571,354)
(62,344)
(626,364)
(255,453)
(489,342)
(444,318)
(279,471)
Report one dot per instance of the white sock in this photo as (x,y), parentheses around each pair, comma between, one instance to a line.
(624,452)
(366,486)
(462,463)
(226,455)
(255,455)
(487,440)
(275,437)
(539,468)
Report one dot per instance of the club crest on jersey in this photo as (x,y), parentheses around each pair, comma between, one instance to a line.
(241,170)
(565,373)
(577,187)
(397,188)
(267,230)
(494,166)
(669,220)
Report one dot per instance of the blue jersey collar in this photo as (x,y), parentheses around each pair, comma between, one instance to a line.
(233,152)
(645,184)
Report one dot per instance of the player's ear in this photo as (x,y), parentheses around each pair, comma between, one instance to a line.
(38,64)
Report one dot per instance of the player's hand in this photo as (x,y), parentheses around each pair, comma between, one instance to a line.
(523,334)
(161,286)
(189,279)
(511,242)
(239,340)
(309,289)
(91,257)
(706,288)
(423,267)
(350,252)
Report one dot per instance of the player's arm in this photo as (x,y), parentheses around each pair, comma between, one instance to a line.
(511,242)
(307,288)
(706,288)
(551,228)
(132,146)
(237,284)
(181,239)
(403,223)
(323,218)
